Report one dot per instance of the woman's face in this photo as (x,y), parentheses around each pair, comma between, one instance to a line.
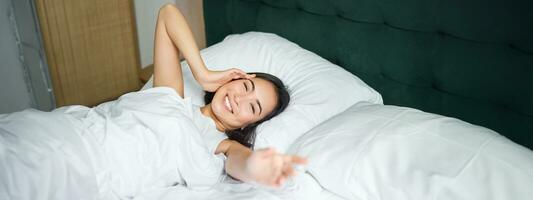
(244,101)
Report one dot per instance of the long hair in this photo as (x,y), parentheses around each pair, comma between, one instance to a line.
(246,135)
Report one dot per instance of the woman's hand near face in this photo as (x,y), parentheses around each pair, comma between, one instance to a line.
(212,80)
(172,37)
(267,167)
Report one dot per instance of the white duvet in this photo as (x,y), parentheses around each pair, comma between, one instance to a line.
(377,152)
(141,146)
(141,142)
(144,146)
(42,157)
(131,148)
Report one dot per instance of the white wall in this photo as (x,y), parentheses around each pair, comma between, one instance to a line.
(146,17)
(14,94)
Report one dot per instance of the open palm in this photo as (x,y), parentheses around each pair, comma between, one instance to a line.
(212,80)
(267,167)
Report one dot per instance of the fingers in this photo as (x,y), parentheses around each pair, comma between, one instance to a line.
(298,160)
(279,181)
(295,159)
(268,152)
(288,170)
(238,74)
(278,165)
(281,166)
(286,173)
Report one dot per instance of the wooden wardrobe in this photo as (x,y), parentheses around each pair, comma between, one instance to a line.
(91,49)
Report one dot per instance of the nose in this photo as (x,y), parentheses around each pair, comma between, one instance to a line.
(243,97)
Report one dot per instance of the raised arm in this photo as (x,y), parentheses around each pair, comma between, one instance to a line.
(264,166)
(172,36)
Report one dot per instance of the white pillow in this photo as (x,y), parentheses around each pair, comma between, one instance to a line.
(318,88)
(389,152)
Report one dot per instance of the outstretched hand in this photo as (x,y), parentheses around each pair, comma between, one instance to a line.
(212,80)
(267,167)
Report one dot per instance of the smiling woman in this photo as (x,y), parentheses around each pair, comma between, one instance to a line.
(240,102)
(256,100)
(155,138)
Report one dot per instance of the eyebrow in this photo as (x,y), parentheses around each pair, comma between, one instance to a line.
(253,88)
(253,85)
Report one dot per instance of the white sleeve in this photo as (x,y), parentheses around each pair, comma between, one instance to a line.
(165,100)
(170,119)
(212,140)
(199,167)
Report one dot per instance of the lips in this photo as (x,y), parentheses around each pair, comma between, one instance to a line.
(227,104)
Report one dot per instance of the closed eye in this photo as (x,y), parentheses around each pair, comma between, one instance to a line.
(245,86)
(253,109)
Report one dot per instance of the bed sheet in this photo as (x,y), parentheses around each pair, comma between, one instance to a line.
(302,186)
(42,157)
(385,152)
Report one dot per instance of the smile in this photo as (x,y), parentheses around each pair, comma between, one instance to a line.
(227,104)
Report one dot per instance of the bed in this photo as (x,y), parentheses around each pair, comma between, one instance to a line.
(389,100)
(471,61)
(359,148)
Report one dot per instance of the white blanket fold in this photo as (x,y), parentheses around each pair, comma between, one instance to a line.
(389,152)
(141,142)
(43,157)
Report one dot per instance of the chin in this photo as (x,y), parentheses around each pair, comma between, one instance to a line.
(218,108)
(222,113)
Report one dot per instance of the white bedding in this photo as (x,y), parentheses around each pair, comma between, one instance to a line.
(42,157)
(369,151)
(143,141)
(310,79)
(303,186)
(141,146)
(388,152)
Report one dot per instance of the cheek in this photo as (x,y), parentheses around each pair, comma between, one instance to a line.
(246,117)
(216,105)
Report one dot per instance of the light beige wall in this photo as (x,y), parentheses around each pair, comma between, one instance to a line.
(146,16)
(194,12)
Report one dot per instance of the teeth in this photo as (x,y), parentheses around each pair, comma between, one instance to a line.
(228,105)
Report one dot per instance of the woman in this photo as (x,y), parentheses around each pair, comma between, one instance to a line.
(150,140)
(237,106)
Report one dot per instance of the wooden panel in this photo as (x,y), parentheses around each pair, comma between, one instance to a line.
(91,49)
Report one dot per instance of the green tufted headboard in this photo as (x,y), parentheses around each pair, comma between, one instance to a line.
(469,59)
